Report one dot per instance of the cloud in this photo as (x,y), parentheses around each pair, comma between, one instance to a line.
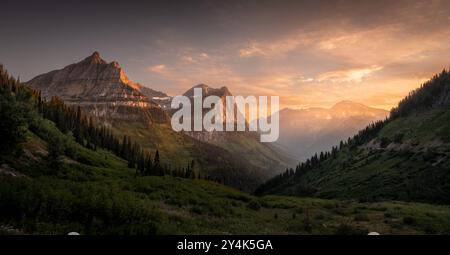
(158,69)
(190,67)
(187,59)
(348,75)
(386,45)
(190,56)
(278,47)
(250,51)
(377,44)
(375,59)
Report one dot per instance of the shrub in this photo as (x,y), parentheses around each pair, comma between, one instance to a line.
(197,210)
(330,206)
(307,225)
(409,220)
(254,205)
(384,142)
(319,217)
(361,217)
(299,210)
(346,229)
(398,138)
(387,215)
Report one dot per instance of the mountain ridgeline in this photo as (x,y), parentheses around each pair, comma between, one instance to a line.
(405,157)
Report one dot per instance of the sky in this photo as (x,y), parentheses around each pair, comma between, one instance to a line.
(310,53)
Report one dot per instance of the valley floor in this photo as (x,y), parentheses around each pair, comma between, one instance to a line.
(167,205)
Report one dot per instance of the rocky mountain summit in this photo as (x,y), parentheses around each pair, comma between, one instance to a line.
(208,91)
(101,89)
(94,81)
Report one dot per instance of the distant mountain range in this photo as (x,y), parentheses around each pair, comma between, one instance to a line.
(307,131)
(405,157)
(104,91)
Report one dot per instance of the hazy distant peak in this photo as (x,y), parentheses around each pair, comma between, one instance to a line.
(347,104)
(341,110)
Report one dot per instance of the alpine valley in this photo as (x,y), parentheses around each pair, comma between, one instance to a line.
(104,92)
(86,149)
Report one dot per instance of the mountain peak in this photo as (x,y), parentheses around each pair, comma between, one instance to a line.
(349,105)
(345,103)
(91,80)
(95,58)
(201,85)
(96,54)
(348,108)
(225,90)
(208,91)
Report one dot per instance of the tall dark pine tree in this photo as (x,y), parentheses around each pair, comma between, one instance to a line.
(156,164)
(12,115)
(193,174)
(148,164)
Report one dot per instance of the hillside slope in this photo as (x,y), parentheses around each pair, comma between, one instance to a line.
(406,157)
